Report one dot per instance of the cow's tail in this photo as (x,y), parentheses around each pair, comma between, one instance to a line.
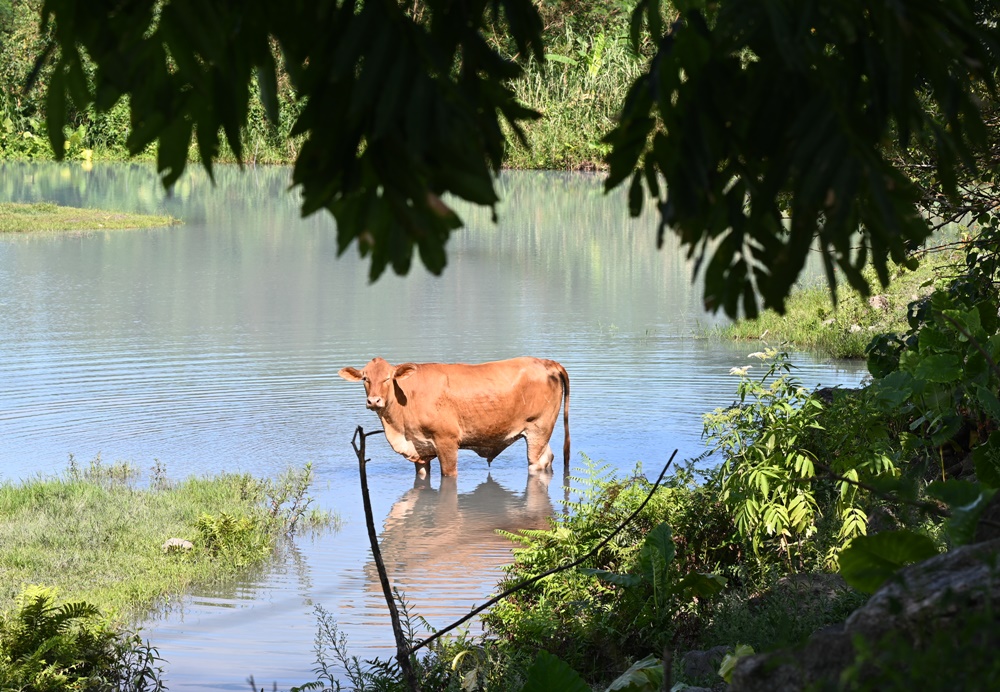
(564,378)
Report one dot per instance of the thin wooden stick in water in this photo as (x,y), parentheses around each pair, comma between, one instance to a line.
(402,646)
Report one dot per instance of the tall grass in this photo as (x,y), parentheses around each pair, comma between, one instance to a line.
(579,92)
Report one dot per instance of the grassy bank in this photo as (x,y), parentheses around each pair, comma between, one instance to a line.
(812,323)
(44,216)
(94,535)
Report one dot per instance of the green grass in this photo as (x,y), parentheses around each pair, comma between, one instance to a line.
(811,323)
(96,536)
(45,216)
(579,93)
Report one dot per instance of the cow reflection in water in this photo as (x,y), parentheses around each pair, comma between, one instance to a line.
(445,542)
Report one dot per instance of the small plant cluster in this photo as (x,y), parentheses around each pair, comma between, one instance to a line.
(278,507)
(50,647)
(795,468)
(643,591)
(458,663)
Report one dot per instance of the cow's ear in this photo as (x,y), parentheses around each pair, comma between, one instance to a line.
(403,371)
(350,374)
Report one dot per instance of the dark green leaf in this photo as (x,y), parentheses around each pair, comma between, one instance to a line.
(636,194)
(660,539)
(626,580)
(642,676)
(870,560)
(955,493)
(967,502)
(549,673)
(697,584)
(987,460)
(943,367)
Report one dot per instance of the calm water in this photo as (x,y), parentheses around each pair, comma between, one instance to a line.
(215,346)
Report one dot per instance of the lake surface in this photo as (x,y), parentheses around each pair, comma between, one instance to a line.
(215,345)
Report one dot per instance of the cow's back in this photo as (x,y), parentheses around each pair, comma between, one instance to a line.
(484,398)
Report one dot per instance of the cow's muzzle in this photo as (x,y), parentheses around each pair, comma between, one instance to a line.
(374,403)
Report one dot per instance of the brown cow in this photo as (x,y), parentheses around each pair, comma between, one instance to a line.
(434,409)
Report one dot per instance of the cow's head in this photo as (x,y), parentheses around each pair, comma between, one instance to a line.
(379,378)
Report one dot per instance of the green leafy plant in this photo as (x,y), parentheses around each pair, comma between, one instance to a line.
(45,647)
(653,575)
(767,468)
(638,592)
(870,560)
(236,538)
(797,471)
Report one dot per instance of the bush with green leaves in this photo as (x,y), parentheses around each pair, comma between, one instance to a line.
(795,470)
(637,593)
(942,374)
(45,647)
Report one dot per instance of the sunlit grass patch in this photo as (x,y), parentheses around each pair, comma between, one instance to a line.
(45,216)
(98,536)
(811,323)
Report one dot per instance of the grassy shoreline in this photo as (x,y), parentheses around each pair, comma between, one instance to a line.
(811,323)
(43,217)
(94,535)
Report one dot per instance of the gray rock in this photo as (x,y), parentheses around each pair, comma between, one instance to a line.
(879,303)
(177,545)
(703,665)
(927,597)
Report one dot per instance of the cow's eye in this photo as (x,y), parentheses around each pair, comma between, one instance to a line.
(364,378)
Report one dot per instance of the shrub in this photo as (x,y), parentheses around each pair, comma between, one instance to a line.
(47,647)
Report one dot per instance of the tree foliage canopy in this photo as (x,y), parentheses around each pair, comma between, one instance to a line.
(758,126)
(397,111)
(774,122)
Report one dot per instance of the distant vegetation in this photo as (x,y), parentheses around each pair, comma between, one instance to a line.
(812,322)
(590,66)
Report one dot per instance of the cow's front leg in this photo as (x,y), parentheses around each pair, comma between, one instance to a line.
(539,454)
(422,468)
(447,453)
